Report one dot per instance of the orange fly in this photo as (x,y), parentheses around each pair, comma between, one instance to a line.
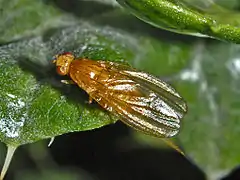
(140,100)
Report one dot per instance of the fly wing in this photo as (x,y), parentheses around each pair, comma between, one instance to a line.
(148,113)
(161,88)
(142,101)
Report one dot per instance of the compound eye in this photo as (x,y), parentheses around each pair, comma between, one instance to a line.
(61,70)
(67,53)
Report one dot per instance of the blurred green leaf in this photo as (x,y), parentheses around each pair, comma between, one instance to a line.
(210,85)
(211,128)
(186,17)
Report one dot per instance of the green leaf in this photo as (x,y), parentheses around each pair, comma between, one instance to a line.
(23,18)
(34,105)
(211,128)
(183,17)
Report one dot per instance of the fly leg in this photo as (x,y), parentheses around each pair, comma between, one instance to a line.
(101,101)
(90,100)
(104,103)
(68,82)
